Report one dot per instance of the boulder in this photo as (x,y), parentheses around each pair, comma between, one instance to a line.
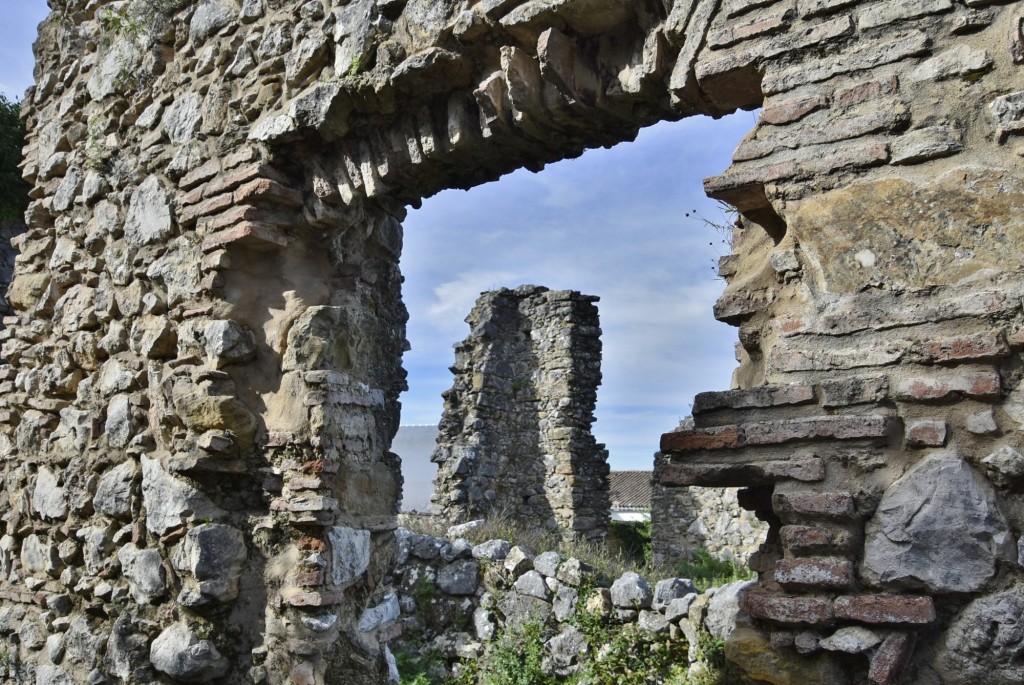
(723,611)
(631,591)
(532,584)
(938,527)
(565,651)
(492,550)
(459,577)
(669,589)
(547,564)
(145,573)
(985,644)
(179,653)
(213,554)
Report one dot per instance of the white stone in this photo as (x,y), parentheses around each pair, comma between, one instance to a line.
(350,554)
(375,617)
(169,501)
(48,499)
(179,653)
(113,494)
(149,214)
(145,573)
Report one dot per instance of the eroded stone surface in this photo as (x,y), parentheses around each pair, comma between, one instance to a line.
(937,527)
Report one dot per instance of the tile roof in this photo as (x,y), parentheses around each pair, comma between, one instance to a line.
(630,489)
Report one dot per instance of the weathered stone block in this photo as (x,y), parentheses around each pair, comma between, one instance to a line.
(814,572)
(885,609)
(940,509)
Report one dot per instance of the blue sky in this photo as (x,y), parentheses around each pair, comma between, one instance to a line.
(612,223)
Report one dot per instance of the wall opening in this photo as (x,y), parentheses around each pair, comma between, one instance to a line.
(626,224)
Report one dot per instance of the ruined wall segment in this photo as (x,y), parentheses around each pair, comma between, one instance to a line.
(515,436)
(685,520)
(205,350)
(203,371)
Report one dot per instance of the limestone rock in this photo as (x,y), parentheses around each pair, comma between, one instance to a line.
(145,573)
(183,118)
(547,564)
(565,652)
(228,343)
(852,640)
(572,571)
(1005,466)
(119,427)
(680,606)
(375,617)
(350,554)
(492,550)
(519,610)
(459,578)
(39,557)
(48,499)
(631,591)
(114,492)
(210,17)
(938,527)
(213,554)
(723,611)
(532,584)
(564,604)
(168,501)
(665,591)
(149,214)
(652,621)
(985,645)
(179,653)
(127,648)
(518,561)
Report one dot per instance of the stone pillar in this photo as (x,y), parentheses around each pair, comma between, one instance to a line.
(515,435)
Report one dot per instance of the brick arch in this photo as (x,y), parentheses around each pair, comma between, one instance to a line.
(206,351)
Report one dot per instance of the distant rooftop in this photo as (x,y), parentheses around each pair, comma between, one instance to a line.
(630,490)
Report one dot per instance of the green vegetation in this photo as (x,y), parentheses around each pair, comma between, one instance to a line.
(609,559)
(633,539)
(13,190)
(707,570)
(616,654)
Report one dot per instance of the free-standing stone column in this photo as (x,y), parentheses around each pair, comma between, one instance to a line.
(515,436)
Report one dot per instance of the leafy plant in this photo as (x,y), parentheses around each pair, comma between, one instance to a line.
(13,190)
(633,539)
(707,570)
(96,151)
(515,658)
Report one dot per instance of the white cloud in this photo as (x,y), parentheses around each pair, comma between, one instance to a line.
(454,299)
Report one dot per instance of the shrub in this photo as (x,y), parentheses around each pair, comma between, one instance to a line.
(707,570)
(13,190)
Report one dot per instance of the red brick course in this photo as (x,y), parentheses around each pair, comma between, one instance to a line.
(886,609)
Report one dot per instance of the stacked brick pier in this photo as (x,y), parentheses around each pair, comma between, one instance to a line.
(857,539)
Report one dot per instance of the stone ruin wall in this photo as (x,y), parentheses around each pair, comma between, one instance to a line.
(515,438)
(203,368)
(685,520)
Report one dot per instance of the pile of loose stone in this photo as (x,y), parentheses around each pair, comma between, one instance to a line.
(452,597)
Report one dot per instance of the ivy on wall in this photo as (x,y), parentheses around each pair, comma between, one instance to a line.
(13,190)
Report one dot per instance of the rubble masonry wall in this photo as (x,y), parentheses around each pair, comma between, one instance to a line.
(515,436)
(203,366)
